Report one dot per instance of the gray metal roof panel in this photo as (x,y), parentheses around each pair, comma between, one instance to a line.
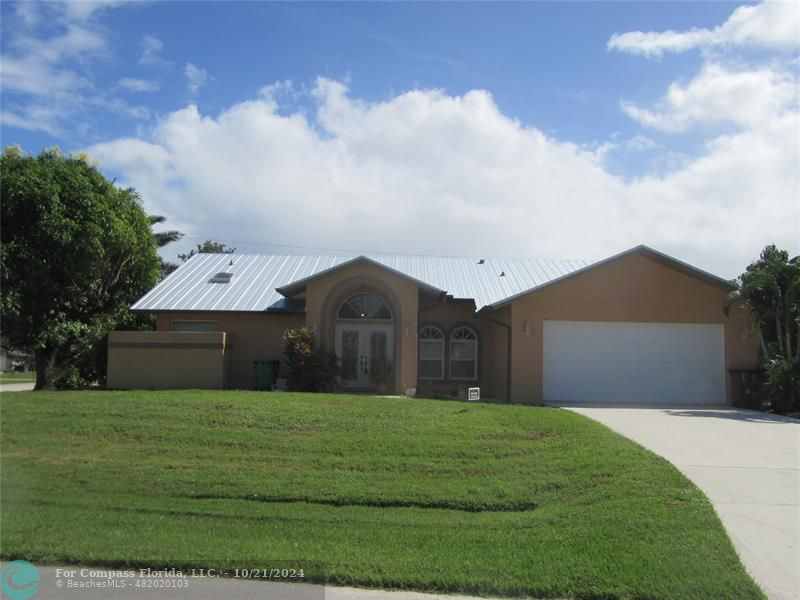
(296,286)
(256,277)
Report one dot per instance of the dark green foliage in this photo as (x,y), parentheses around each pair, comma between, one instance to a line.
(312,368)
(209,247)
(88,359)
(381,374)
(781,389)
(75,252)
(162,239)
(770,290)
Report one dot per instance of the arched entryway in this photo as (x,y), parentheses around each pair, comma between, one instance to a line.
(364,341)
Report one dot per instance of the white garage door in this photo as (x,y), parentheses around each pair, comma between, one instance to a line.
(634,363)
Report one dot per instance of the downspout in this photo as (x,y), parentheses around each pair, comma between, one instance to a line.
(508,355)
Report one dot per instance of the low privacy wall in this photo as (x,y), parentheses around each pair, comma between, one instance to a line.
(161,360)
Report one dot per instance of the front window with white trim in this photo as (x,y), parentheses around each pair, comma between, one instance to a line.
(463,354)
(431,353)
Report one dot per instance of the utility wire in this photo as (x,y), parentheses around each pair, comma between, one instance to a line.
(228,242)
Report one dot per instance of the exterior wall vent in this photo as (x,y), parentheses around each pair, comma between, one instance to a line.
(221,277)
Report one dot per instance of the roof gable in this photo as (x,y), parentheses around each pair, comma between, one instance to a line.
(294,288)
(641,250)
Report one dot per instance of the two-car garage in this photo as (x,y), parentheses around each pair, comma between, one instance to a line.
(633,363)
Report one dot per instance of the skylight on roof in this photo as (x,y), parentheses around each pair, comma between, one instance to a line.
(221,277)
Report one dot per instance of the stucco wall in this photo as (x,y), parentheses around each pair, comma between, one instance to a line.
(325,295)
(251,337)
(634,288)
(498,345)
(492,348)
(166,360)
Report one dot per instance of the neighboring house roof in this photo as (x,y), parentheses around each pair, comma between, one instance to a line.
(270,282)
(256,279)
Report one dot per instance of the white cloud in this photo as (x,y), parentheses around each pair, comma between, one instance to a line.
(31,13)
(640,143)
(118,105)
(46,64)
(37,65)
(280,90)
(27,12)
(771,24)
(195,77)
(31,75)
(138,85)
(150,48)
(81,10)
(745,186)
(742,194)
(718,95)
(429,172)
(29,121)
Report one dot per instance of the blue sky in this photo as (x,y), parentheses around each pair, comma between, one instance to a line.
(545,63)
(593,119)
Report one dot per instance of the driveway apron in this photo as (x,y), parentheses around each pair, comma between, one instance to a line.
(747,463)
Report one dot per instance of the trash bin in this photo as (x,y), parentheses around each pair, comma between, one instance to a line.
(266,373)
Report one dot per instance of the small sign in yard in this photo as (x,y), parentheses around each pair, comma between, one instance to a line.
(473,394)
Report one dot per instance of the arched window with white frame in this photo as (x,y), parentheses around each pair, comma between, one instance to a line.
(364,306)
(431,353)
(463,354)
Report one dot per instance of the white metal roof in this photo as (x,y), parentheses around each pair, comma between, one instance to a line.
(253,287)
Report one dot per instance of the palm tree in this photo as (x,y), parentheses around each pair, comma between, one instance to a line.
(163,238)
(770,290)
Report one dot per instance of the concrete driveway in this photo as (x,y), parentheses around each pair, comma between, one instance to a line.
(747,463)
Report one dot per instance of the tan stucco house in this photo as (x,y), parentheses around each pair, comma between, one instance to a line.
(639,327)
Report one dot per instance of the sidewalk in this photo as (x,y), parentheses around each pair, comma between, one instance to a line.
(16,387)
(56,585)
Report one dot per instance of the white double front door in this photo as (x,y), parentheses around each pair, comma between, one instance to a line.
(359,348)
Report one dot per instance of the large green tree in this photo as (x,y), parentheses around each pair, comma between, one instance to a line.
(770,290)
(75,251)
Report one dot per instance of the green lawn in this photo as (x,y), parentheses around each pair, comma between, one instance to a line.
(400,493)
(17,376)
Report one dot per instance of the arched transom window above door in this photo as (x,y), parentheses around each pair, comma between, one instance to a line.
(365,306)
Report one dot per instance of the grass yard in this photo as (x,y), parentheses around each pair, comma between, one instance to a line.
(377,492)
(17,376)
